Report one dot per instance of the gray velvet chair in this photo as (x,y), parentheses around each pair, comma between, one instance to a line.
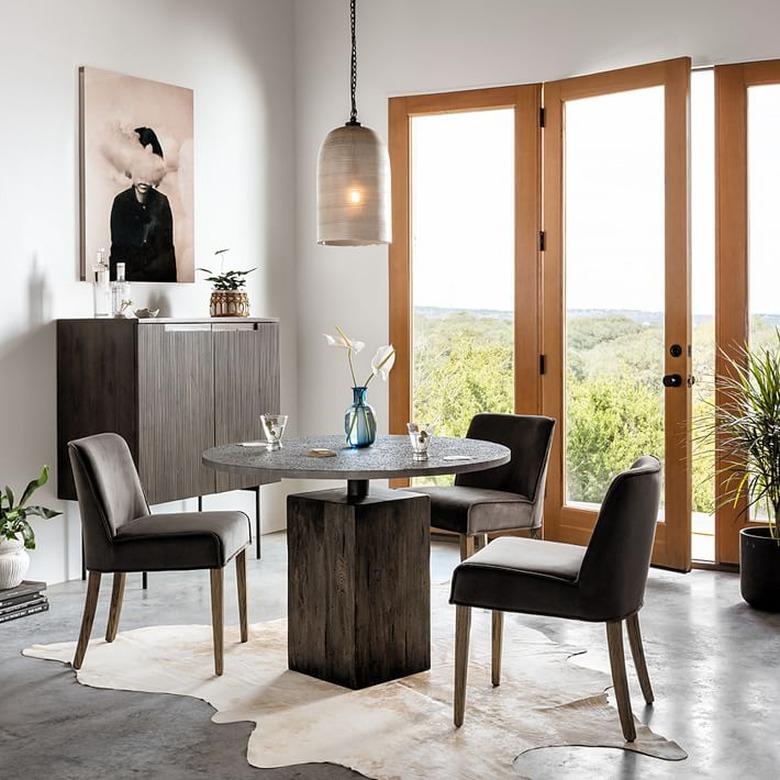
(603,582)
(121,535)
(507,498)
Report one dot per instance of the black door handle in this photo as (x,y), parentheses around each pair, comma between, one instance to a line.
(672,380)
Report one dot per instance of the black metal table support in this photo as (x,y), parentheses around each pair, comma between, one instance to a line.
(357,489)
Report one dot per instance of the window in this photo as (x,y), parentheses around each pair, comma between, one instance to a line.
(462,257)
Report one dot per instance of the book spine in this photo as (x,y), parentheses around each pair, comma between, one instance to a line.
(31,602)
(10,602)
(24,612)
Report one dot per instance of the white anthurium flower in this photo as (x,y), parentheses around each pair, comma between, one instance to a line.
(383,361)
(343,341)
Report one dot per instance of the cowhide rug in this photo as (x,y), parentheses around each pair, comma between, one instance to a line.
(401,729)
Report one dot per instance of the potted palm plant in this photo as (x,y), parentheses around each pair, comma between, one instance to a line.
(747,426)
(16,533)
(228,297)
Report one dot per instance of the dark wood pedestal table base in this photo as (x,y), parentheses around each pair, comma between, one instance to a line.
(358,577)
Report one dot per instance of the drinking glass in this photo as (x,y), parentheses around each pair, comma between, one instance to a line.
(421,438)
(273,428)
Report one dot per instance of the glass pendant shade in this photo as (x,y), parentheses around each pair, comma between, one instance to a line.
(353,188)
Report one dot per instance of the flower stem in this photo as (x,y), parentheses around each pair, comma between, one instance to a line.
(351,366)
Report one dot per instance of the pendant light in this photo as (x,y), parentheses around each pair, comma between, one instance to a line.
(353,178)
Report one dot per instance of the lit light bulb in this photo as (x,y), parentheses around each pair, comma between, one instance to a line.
(355,196)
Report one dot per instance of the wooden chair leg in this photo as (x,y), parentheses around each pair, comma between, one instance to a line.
(462,629)
(617,661)
(497,640)
(467,545)
(638,652)
(90,605)
(241,585)
(217,581)
(117,595)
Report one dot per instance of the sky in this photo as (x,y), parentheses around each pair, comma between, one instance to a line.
(463,203)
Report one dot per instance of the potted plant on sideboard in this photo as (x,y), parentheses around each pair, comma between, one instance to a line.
(747,426)
(228,297)
(16,533)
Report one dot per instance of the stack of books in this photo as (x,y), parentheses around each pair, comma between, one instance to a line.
(25,599)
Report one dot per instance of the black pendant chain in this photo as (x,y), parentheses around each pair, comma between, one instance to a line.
(353,66)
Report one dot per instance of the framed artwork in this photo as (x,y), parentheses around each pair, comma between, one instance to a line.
(136,160)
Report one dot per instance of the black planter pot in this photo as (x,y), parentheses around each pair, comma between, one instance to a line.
(759,566)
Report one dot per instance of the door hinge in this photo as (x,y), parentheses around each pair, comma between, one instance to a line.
(542,241)
(542,364)
(541,116)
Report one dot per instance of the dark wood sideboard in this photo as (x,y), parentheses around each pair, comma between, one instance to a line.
(172,388)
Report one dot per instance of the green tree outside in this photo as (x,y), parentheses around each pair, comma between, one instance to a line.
(463,364)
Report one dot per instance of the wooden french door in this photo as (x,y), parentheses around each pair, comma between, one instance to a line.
(747,170)
(616,298)
(524,104)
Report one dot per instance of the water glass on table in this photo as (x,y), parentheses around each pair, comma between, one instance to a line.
(420,435)
(273,428)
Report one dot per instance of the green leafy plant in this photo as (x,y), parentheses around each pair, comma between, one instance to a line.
(13,517)
(746,428)
(226,280)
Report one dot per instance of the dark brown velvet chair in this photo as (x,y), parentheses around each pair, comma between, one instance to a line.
(603,582)
(507,498)
(121,535)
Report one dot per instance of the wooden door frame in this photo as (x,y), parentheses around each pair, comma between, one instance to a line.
(732,305)
(571,524)
(526,101)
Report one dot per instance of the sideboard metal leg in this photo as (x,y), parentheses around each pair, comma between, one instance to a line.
(258,524)
(144,581)
(200,503)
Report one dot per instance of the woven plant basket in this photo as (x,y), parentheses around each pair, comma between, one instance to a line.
(229,303)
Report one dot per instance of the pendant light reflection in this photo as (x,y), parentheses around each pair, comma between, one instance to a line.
(353,179)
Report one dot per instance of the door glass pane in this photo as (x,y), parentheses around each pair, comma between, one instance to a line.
(703,300)
(463,238)
(763,223)
(763,211)
(614,287)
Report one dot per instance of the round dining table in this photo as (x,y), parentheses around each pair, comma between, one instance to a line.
(358,557)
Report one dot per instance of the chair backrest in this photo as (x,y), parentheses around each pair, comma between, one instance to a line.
(108,489)
(614,569)
(529,437)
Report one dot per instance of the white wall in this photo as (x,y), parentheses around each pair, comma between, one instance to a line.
(413,46)
(237,56)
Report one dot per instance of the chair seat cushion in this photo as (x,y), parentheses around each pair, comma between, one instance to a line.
(472,510)
(186,540)
(524,575)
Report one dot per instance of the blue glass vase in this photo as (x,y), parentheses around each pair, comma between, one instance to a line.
(360,421)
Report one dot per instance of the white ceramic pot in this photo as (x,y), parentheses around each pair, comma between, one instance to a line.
(14,562)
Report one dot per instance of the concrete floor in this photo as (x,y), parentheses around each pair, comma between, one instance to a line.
(714,663)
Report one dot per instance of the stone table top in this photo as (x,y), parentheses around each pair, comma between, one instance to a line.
(389,457)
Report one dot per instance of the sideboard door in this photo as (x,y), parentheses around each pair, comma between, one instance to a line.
(246,385)
(176,409)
